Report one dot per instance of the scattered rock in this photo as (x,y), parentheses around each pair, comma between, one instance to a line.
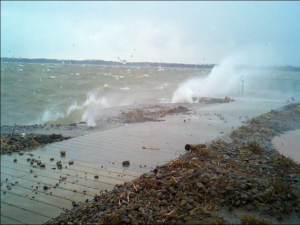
(194,147)
(126,163)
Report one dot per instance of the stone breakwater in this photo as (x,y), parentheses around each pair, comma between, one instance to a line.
(156,112)
(244,177)
(16,142)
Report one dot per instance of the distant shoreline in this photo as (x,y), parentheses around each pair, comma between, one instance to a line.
(151,64)
(105,63)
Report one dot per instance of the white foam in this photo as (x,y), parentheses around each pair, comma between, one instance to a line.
(50,115)
(92,109)
(226,80)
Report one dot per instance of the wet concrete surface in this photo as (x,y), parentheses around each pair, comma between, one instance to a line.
(288,144)
(101,153)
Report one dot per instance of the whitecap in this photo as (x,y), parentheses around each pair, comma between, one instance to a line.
(125,88)
(104,87)
(52,77)
(50,115)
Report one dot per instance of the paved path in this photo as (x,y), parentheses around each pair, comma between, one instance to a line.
(102,153)
(288,144)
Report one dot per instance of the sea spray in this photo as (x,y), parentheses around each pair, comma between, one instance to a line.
(238,75)
(222,81)
(92,109)
(88,111)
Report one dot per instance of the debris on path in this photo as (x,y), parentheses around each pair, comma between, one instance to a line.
(245,175)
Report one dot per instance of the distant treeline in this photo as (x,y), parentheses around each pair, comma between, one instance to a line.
(152,64)
(106,63)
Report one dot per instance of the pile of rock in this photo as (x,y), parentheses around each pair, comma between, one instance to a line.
(12,143)
(143,115)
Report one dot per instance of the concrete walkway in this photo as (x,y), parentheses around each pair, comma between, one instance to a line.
(102,153)
(288,144)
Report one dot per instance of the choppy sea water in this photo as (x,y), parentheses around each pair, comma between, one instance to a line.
(48,93)
(60,93)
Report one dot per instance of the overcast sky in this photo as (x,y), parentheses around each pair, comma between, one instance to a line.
(180,32)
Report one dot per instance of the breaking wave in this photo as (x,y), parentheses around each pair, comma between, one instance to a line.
(233,77)
(89,111)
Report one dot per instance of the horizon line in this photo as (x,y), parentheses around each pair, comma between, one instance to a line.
(125,62)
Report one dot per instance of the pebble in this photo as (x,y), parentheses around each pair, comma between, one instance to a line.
(249,185)
(126,163)
(238,202)
(250,207)
(229,188)
(200,185)
(183,202)
(159,175)
(156,208)
(243,186)
(244,196)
